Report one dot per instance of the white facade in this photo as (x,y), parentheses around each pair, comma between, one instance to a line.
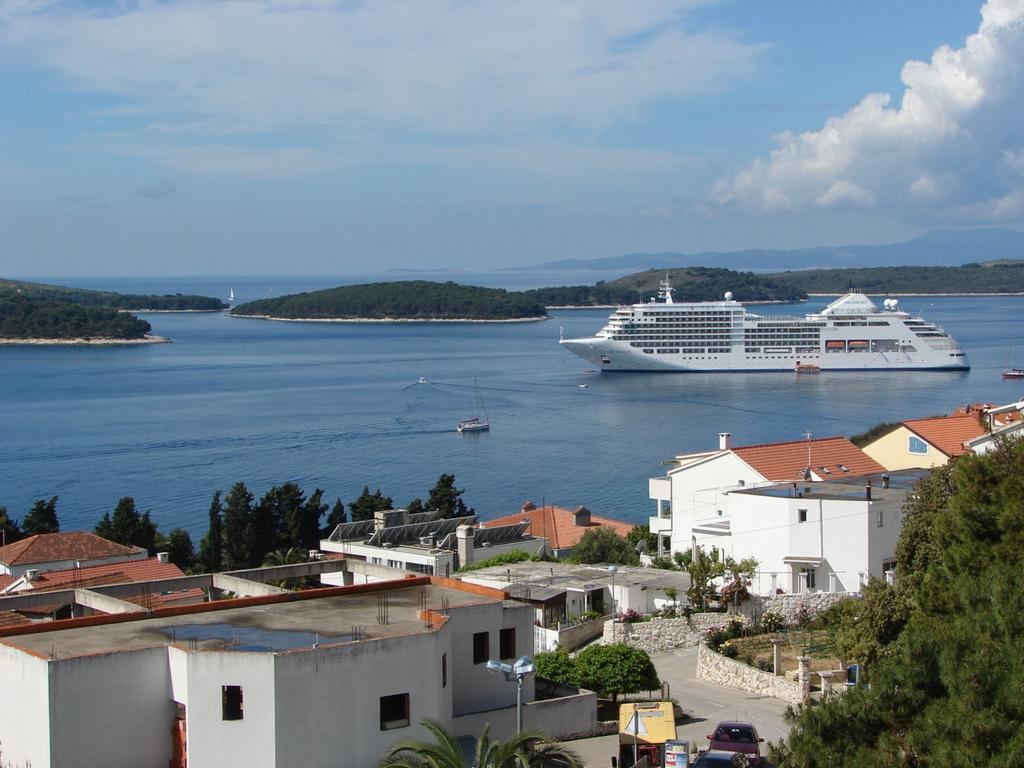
(311,706)
(19,569)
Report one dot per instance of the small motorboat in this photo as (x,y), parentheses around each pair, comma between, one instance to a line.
(422,380)
(1013,373)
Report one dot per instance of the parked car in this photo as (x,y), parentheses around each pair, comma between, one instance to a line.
(719,758)
(737,737)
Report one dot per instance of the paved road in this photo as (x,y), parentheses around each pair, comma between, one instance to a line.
(703,704)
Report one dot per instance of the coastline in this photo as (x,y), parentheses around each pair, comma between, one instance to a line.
(901,293)
(171,311)
(365,320)
(147,339)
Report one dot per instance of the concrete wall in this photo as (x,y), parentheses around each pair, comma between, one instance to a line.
(716,668)
(111,710)
(570,716)
(24,709)
(215,742)
(892,451)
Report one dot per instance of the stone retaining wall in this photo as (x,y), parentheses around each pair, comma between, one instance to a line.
(789,605)
(716,668)
(659,635)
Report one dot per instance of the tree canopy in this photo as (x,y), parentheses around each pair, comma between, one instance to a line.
(128,527)
(42,518)
(616,669)
(447,499)
(601,544)
(947,688)
(26,317)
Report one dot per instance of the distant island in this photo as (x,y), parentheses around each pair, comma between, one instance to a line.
(37,313)
(711,283)
(403,301)
(127,301)
(689,284)
(38,320)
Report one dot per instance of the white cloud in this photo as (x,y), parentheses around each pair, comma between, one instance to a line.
(949,150)
(438,68)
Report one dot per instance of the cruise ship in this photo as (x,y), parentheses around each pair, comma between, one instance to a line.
(850,334)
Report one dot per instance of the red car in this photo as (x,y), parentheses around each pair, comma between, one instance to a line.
(738,737)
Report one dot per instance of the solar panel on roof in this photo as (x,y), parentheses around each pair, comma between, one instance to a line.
(404,534)
(347,531)
(499,535)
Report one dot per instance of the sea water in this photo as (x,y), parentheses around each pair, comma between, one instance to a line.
(339,407)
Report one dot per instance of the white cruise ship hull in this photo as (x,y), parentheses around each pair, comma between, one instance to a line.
(851,334)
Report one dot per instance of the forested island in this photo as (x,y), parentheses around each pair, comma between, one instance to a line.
(688,283)
(126,301)
(41,319)
(711,283)
(411,300)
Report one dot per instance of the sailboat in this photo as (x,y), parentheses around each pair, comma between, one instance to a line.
(476,423)
(1011,373)
(231,295)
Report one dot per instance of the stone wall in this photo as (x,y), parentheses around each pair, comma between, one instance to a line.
(659,635)
(789,605)
(715,668)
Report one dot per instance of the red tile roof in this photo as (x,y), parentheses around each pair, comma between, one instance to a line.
(5,580)
(947,433)
(787,461)
(52,547)
(558,524)
(125,572)
(12,619)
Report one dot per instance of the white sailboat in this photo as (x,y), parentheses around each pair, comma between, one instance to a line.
(231,295)
(476,423)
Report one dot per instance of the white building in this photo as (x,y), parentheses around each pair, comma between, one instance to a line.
(817,536)
(60,551)
(318,678)
(422,543)
(691,496)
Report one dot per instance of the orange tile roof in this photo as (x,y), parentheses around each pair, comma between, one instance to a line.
(947,433)
(12,619)
(72,545)
(6,579)
(558,524)
(787,461)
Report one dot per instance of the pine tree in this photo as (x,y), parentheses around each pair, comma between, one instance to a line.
(368,503)
(128,527)
(447,499)
(42,518)
(237,535)
(9,530)
(180,549)
(305,528)
(212,545)
(336,518)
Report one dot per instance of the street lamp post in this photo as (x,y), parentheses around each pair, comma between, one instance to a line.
(522,667)
(612,570)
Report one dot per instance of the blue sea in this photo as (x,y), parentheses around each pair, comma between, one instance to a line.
(339,406)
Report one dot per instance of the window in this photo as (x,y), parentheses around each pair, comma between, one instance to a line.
(801,515)
(481,647)
(507,643)
(888,565)
(917,445)
(810,577)
(444,670)
(231,702)
(394,711)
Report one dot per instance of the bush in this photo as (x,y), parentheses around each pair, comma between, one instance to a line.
(765,666)
(729,650)
(556,665)
(772,621)
(612,670)
(629,616)
(590,615)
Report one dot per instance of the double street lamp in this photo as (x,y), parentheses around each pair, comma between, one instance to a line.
(515,672)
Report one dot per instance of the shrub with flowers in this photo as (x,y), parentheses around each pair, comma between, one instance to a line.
(629,616)
(717,637)
(772,621)
(735,592)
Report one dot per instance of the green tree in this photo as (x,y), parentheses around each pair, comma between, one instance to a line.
(446,499)
(864,629)
(528,749)
(237,547)
(212,545)
(601,544)
(947,689)
(334,519)
(368,503)
(641,533)
(127,526)
(303,527)
(10,532)
(614,670)
(416,506)
(180,549)
(42,518)
(269,521)
(556,665)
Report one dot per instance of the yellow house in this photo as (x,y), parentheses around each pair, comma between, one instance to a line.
(924,443)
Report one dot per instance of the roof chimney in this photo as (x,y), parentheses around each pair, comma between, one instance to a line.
(867,492)
(528,506)
(581,516)
(163,557)
(31,574)
(724,441)
(464,544)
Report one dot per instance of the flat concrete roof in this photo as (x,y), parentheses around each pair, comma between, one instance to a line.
(276,627)
(563,576)
(845,489)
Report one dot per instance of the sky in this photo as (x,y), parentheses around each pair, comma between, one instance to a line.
(333,137)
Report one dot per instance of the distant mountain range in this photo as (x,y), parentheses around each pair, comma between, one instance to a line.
(940,247)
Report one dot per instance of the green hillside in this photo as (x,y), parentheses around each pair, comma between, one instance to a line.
(407,300)
(40,317)
(129,301)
